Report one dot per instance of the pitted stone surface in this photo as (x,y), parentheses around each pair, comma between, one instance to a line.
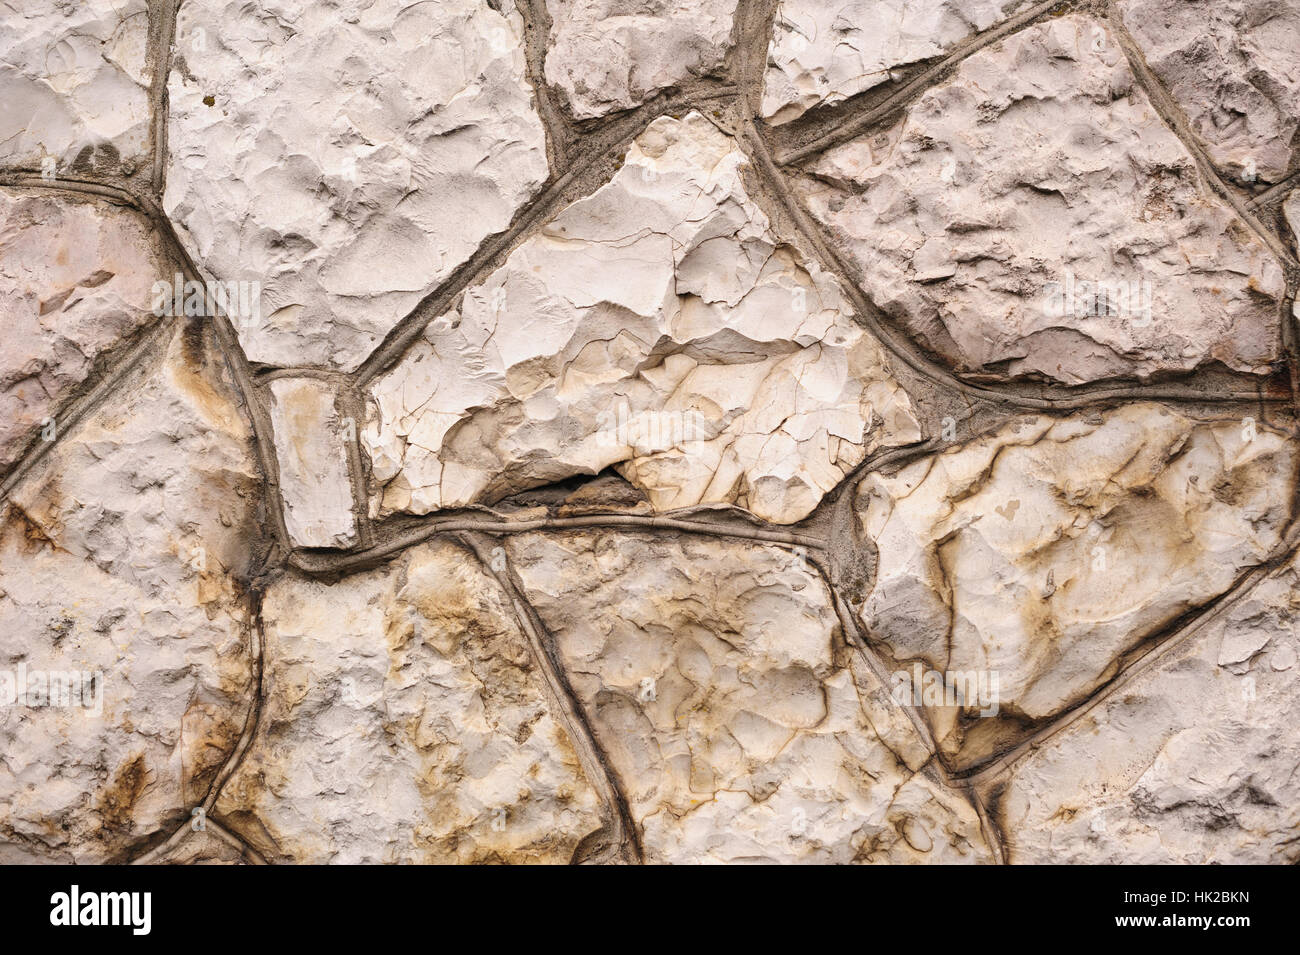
(74,86)
(405,721)
(1232,68)
(124,553)
(985,222)
(346,157)
(608,55)
(741,725)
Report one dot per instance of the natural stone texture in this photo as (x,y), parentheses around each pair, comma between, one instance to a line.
(346,156)
(658,326)
(311,447)
(75,280)
(73,85)
(608,55)
(122,553)
(203,847)
(1047,550)
(1194,761)
(824,51)
(1040,166)
(405,721)
(1231,66)
(718,684)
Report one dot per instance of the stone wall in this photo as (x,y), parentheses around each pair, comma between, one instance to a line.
(600,431)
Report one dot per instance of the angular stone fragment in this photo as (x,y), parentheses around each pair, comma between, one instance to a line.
(75,280)
(1232,68)
(311,446)
(1044,552)
(741,726)
(607,55)
(1291,209)
(659,326)
(203,848)
(347,157)
(1032,216)
(824,51)
(1194,761)
(121,556)
(405,721)
(74,89)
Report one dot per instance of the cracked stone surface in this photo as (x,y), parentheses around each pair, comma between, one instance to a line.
(74,88)
(740,724)
(657,432)
(406,722)
(346,157)
(1233,70)
(1195,762)
(986,220)
(122,554)
(75,281)
(824,51)
(658,326)
(608,55)
(1046,551)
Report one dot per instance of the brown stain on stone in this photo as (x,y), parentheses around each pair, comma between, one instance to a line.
(116,803)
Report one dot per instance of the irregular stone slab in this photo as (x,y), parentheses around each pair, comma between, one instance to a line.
(405,721)
(346,157)
(985,222)
(75,281)
(203,848)
(74,86)
(122,555)
(1194,761)
(741,726)
(659,326)
(1291,209)
(1044,552)
(1232,69)
(311,436)
(824,51)
(608,55)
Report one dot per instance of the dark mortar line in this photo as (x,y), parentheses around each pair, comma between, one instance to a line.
(846,129)
(162,34)
(625,841)
(325,564)
(537,31)
(1278,188)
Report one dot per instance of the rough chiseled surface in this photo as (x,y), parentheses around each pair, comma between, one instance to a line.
(824,51)
(347,157)
(1194,762)
(405,721)
(75,281)
(1232,69)
(122,553)
(74,87)
(433,549)
(1037,167)
(1045,551)
(658,326)
(742,727)
(607,55)
(311,442)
